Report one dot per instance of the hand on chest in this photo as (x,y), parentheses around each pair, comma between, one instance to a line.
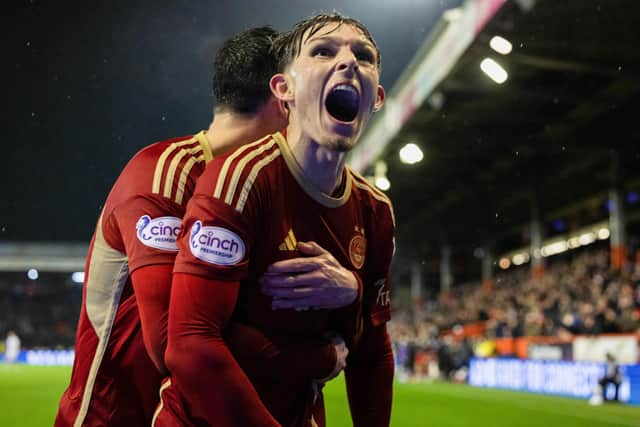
(343,236)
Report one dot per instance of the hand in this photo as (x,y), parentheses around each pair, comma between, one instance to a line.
(317,281)
(341,358)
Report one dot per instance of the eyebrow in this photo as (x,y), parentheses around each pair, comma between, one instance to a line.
(334,39)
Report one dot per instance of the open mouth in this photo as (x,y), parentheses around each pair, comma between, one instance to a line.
(342,103)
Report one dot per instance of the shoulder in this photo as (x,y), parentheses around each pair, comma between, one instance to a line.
(378,202)
(233,177)
(166,167)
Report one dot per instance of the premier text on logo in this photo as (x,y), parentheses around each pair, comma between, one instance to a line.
(159,233)
(211,241)
(165,230)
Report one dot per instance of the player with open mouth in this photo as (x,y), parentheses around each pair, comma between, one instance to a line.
(265,199)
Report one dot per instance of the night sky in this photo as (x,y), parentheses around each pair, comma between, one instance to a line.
(88,84)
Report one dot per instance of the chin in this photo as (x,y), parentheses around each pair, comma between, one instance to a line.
(336,142)
(341,144)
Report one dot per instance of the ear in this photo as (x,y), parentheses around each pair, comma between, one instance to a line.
(281,111)
(379,99)
(281,87)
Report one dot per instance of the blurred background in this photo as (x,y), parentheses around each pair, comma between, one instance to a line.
(508,145)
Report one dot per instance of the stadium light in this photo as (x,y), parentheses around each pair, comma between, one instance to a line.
(521,258)
(504,263)
(77,277)
(604,233)
(383,183)
(560,244)
(574,242)
(411,154)
(501,45)
(587,238)
(32,274)
(494,70)
(554,248)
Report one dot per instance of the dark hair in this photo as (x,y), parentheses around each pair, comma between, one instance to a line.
(242,69)
(287,45)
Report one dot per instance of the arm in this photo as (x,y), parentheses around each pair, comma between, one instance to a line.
(310,358)
(202,367)
(150,263)
(369,377)
(152,286)
(369,372)
(262,356)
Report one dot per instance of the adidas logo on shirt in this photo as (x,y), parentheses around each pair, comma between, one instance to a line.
(289,243)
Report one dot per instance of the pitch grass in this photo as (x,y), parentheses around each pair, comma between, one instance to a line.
(29,398)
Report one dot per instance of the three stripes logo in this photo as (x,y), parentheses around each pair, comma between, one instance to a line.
(289,243)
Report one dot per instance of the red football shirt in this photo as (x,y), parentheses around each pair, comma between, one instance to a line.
(249,209)
(113,380)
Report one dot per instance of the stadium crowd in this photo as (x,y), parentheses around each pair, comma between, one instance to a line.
(581,295)
(578,296)
(43,313)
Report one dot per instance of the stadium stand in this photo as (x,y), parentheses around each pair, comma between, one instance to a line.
(577,296)
(43,312)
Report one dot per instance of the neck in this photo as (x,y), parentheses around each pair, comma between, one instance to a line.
(321,165)
(229,131)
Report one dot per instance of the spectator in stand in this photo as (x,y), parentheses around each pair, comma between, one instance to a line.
(589,326)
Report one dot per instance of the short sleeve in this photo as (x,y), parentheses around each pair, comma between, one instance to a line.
(225,213)
(146,227)
(215,242)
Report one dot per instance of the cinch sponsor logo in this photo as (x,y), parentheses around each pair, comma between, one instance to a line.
(215,245)
(160,233)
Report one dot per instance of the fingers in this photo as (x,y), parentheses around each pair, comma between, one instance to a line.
(290,293)
(342,352)
(315,259)
(311,248)
(299,292)
(290,281)
(294,265)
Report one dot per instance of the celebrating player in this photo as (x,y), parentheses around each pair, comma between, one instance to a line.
(249,210)
(115,381)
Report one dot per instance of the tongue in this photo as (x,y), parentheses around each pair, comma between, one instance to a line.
(342,104)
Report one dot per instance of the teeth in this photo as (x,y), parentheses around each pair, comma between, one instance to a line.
(346,87)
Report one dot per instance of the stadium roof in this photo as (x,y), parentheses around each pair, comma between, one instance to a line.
(550,132)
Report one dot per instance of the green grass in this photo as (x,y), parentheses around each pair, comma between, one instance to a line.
(29,398)
(455,405)
(29,395)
